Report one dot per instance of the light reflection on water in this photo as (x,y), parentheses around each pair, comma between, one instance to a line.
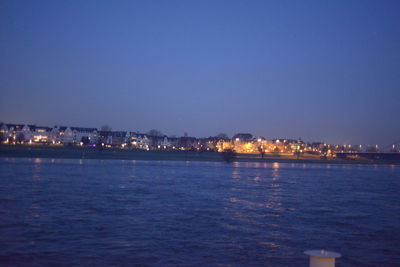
(254,213)
(195,213)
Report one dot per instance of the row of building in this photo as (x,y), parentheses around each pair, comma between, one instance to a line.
(63,135)
(240,143)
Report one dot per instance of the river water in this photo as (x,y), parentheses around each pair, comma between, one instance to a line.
(115,212)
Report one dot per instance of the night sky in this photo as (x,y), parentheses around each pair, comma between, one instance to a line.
(319,70)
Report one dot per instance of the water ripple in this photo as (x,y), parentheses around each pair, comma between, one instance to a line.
(101,212)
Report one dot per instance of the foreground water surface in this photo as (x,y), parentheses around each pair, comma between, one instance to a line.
(115,212)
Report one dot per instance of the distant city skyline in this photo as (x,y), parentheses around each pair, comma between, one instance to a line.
(320,71)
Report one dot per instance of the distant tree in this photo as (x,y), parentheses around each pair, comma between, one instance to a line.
(106,128)
(155,132)
(85,140)
(20,138)
(222,136)
(243,136)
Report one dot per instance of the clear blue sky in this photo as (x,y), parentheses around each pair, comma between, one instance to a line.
(320,70)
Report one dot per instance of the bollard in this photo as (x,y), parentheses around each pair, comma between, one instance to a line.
(322,258)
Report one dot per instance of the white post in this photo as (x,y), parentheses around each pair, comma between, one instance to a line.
(322,258)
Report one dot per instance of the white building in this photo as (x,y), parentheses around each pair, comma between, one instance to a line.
(67,135)
(81,134)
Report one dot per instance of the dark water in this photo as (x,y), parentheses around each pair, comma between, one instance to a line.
(81,212)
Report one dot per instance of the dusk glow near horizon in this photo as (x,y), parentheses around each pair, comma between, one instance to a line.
(322,71)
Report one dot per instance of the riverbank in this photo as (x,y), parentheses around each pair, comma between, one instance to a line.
(36,151)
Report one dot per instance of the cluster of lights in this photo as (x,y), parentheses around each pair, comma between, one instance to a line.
(259,145)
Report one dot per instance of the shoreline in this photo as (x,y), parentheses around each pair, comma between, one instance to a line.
(135,154)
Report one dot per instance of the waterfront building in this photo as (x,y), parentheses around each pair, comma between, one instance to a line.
(41,134)
(67,135)
(28,133)
(3,133)
(132,141)
(84,135)
(187,143)
(55,136)
(142,141)
(174,142)
(12,131)
(105,137)
(119,138)
(165,142)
